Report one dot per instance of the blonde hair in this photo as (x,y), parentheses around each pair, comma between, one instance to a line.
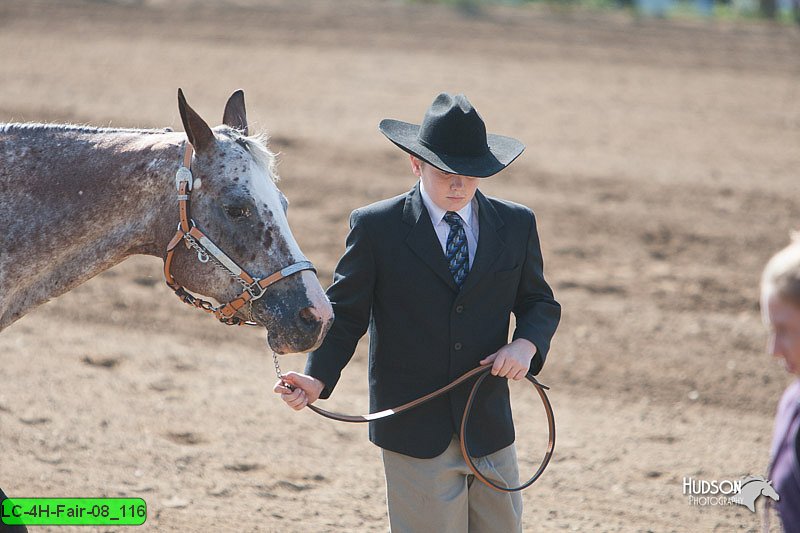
(781,276)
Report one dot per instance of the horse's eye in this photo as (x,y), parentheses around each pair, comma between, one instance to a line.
(236,211)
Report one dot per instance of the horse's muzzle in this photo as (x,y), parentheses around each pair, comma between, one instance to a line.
(297,316)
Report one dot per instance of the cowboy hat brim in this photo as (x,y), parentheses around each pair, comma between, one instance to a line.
(502,151)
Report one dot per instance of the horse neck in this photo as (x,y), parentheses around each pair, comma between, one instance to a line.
(78,202)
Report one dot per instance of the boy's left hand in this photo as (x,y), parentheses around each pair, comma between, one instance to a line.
(513,360)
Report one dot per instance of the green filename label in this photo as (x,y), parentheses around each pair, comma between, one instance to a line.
(73,511)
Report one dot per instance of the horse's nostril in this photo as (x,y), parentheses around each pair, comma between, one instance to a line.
(310,316)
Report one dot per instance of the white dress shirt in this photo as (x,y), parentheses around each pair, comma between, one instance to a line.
(469,219)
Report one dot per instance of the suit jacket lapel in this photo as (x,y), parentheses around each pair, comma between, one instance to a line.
(490,244)
(422,238)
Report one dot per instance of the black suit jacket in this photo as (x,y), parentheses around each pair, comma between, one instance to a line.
(424,331)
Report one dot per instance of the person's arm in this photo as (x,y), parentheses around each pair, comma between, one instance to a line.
(351,298)
(537,314)
(535,309)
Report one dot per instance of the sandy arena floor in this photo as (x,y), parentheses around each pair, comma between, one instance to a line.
(662,163)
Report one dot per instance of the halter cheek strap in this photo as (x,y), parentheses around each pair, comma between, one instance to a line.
(194,238)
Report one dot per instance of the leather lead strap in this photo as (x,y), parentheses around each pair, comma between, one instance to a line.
(482,372)
(551,441)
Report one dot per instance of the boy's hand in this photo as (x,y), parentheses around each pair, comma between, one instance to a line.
(306,390)
(513,360)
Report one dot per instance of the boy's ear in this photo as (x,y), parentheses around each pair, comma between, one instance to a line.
(416,165)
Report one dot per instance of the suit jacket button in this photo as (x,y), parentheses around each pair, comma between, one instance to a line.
(459,309)
(457,346)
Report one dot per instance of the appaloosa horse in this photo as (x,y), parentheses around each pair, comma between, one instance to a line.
(74,201)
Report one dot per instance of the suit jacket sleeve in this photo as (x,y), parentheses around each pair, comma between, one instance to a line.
(536,311)
(351,298)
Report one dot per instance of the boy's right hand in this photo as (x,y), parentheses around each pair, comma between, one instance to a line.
(306,390)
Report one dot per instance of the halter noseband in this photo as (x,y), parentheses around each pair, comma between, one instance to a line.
(254,288)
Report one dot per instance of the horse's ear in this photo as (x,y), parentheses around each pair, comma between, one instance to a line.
(235,115)
(198,132)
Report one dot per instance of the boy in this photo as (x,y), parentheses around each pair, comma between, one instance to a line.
(434,274)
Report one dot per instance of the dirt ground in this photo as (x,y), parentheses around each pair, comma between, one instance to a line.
(662,163)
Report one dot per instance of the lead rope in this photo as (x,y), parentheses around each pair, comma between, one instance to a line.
(482,372)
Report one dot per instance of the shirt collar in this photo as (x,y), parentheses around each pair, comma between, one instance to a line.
(437,213)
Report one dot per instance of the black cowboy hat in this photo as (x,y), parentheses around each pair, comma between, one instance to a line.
(453,138)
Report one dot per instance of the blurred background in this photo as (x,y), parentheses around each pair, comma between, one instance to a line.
(786,11)
(663,148)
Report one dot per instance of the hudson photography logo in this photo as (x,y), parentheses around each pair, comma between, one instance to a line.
(743,491)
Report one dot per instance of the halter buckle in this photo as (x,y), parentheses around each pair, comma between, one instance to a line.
(183,174)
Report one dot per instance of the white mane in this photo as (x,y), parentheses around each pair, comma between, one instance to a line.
(256,145)
(80,128)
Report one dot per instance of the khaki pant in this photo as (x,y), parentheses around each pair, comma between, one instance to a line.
(439,496)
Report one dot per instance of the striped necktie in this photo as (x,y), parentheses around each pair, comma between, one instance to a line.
(457,252)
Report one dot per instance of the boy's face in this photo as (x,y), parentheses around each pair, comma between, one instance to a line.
(451,192)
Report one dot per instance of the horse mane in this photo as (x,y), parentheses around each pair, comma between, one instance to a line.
(78,128)
(256,145)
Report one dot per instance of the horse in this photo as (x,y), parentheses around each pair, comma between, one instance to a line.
(77,200)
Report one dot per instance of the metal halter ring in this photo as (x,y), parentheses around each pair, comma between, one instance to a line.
(255,287)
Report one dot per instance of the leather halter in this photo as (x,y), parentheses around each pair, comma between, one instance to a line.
(254,288)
